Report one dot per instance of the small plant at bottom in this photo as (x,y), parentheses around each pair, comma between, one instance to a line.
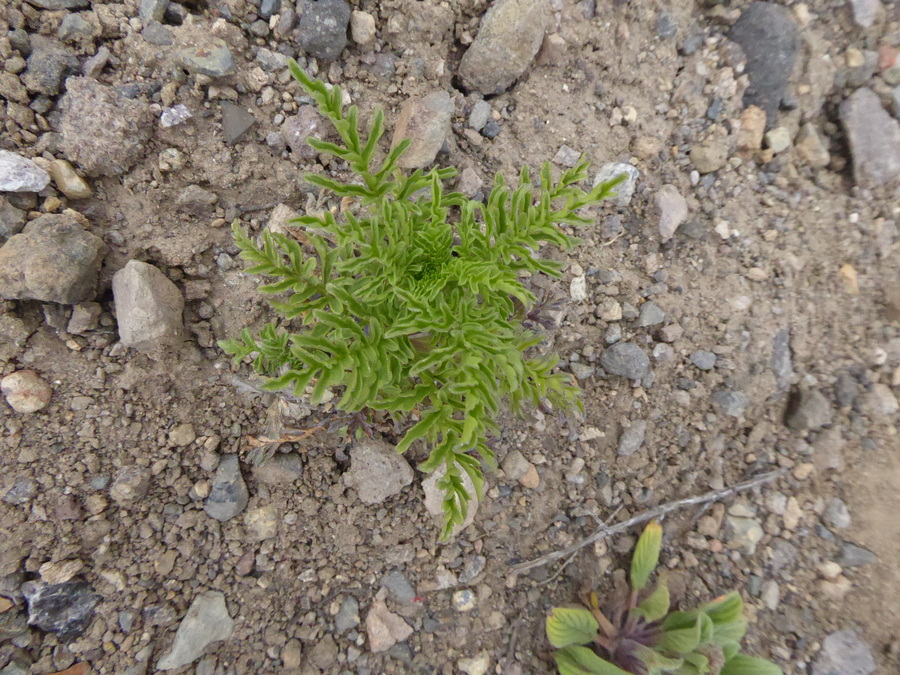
(412,301)
(642,637)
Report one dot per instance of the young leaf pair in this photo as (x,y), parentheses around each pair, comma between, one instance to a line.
(642,636)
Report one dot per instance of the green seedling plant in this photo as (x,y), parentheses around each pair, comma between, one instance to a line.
(414,304)
(641,634)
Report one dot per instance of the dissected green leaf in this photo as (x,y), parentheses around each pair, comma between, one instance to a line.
(405,299)
(741,664)
(656,605)
(583,661)
(571,626)
(646,555)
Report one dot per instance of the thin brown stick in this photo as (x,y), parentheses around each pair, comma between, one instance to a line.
(658,512)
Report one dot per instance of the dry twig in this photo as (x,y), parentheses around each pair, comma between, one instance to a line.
(658,512)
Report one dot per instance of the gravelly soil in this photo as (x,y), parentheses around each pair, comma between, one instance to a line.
(752,276)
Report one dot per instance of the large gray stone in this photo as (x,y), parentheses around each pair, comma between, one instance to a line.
(510,36)
(426,123)
(377,472)
(52,260)
(770,40)
(148,307)
(65,609)
(48,64)
(874,139)
(625,359)
(844,653)
(323,28)
(103,132)
(20,174)
(207,621)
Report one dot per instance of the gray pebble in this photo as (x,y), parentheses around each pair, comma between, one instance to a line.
(229,495)
(323,28)
(491,129)
(625,359)
(733,403)
(632,438)
(703,360)
(837,515)
(650,315)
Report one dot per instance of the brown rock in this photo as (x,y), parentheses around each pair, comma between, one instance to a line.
(103,132)
(753,126)
(25,391)
(426,123)
(51,260)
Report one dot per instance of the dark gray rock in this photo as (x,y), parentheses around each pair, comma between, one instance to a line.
(157,34)
(491,129)
(65,609)
(51,260)
(704,360)
(732,403)
(508,39)
(770,40)
(20,174)
(632,438)
(236,121)
(48,65)
(808,409)
(855,556)
(625,359)
(874,139)
(844,653)
(323,28)
(229,494)
(104,132)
